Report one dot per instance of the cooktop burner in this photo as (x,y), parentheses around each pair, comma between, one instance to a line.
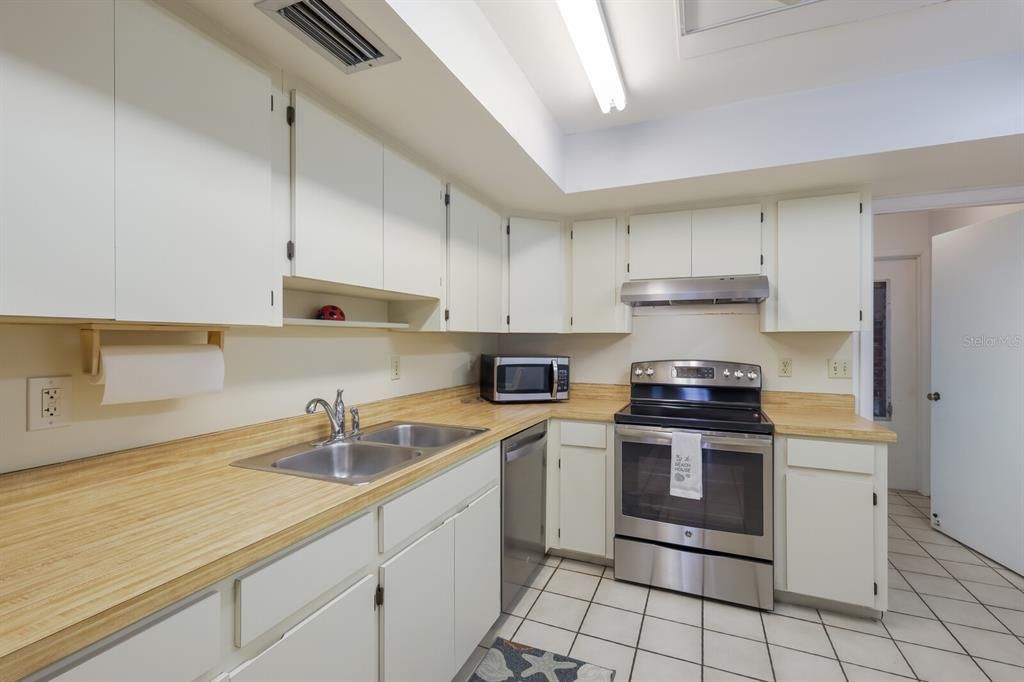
(702,418)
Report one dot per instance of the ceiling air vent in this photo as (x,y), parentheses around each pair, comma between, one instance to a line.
(333,30)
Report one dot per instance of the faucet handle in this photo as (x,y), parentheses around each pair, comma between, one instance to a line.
(355,420)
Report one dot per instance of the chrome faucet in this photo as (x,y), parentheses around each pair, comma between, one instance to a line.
(336,416)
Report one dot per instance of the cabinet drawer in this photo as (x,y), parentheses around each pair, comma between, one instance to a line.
(835,455)
(418,508)
(584,434)
(269,594)
(181,646)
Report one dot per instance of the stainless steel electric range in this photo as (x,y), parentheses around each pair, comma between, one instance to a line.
(719,545)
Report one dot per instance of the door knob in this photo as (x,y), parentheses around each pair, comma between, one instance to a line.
(934,397)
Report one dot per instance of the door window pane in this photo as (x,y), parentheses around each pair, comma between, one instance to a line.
(882,333)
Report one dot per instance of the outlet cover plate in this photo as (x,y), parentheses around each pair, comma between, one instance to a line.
(48,403)
(839,369)
(396,367)
(785,367)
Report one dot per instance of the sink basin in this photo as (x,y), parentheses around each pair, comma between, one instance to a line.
(377,452)
(349,462)
(414,435)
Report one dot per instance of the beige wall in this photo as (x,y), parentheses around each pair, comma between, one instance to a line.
(269,374)
(699,332)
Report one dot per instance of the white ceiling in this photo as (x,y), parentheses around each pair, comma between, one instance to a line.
(661,81)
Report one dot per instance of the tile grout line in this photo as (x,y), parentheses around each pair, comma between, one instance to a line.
(831,644)
(767,647)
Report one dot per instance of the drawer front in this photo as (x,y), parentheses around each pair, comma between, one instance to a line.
(181,646)
(270,594)
(833,455)
(422,506)
(583,434)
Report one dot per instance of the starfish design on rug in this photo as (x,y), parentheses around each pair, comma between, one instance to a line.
(545,665)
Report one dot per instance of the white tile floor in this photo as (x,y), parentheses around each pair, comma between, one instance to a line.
(954,616)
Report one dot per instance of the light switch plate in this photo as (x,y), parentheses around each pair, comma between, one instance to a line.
(396,367)
(785,367)
(48,402)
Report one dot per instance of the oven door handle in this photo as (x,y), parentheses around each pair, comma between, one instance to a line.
(714,442)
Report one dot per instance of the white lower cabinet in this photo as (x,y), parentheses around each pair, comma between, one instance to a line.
(419,609)
(477,571)
(580,490)
(337,643)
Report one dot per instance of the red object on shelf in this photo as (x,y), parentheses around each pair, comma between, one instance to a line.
(331,312)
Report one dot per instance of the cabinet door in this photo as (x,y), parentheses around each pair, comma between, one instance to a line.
(536,273)
(491,272)
(193,176)
(596,276)
(464,225)
(582,501)
(419,603)
(413,228)
(819,264)
(477,571)
(57,158)
(660,245)
(830,537)
(337,643)
(727,241)
(338,199)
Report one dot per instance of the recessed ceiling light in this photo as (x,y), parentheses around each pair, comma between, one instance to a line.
(589,34)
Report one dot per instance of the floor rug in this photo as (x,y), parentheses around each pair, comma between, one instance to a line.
(509,661)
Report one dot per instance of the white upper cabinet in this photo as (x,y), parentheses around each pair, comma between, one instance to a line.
(57,158)
(193,176)
(727,241)
(660,245)
(338,199)
(598,268)
(475,265)
(414,227)
(536,276)
(818,264)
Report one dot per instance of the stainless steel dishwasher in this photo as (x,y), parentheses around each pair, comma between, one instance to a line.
(523,494)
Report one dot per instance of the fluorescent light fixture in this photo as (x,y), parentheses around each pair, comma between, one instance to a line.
(589,34)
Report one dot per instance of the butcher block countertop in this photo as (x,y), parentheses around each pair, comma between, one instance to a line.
(92,546)
(821,415)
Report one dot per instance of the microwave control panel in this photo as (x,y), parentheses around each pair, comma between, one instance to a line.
(563,378)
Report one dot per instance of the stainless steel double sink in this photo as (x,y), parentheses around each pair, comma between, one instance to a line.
(372,454)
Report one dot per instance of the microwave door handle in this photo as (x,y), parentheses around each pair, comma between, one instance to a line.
(554,378)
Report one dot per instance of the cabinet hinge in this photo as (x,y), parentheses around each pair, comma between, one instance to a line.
(762,259)
(271,298)
(271,102)
(378,596)
(559,462)
(876,588)
(570,321)
(290,115)
(627,267)
(861,209)
(447,314)
(559,532)
(508,228)
(627,228)
(570,235)
(874,499)
(447,199)
(762,216)
(508,319)
(861,315)
(290,250)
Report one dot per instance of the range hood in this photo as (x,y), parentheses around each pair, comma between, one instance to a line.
(738,289)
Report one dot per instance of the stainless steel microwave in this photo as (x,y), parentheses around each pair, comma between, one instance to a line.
(524,378)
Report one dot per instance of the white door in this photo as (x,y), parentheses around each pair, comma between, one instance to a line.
(830,536)
(419,609)
(660,245)
(727,241)
(338,199)
(536,273)
(413,228)
(819,264)
(897,389)
(477,571)
(57,158)
(977,438)
(596,277)
(337,643)
(581,495)
(193,176)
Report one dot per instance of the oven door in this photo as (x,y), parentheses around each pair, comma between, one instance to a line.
(529,379)
(735,514)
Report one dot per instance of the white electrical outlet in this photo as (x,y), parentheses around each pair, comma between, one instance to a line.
(48,402)
(785,367)
(396,367)
(838,369)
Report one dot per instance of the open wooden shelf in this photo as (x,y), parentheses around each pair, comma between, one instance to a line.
(350,324)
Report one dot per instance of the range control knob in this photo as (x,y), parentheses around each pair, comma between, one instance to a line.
(727,374)
(638,372)
(751,375)
(739,374)
(650,371)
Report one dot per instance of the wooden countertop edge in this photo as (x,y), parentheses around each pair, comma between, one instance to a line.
(36,655)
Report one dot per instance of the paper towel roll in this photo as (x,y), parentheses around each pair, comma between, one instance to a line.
(133,374)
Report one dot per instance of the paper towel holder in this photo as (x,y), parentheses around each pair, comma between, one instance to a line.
(90,339)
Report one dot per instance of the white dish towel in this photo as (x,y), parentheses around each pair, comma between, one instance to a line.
(687,476)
